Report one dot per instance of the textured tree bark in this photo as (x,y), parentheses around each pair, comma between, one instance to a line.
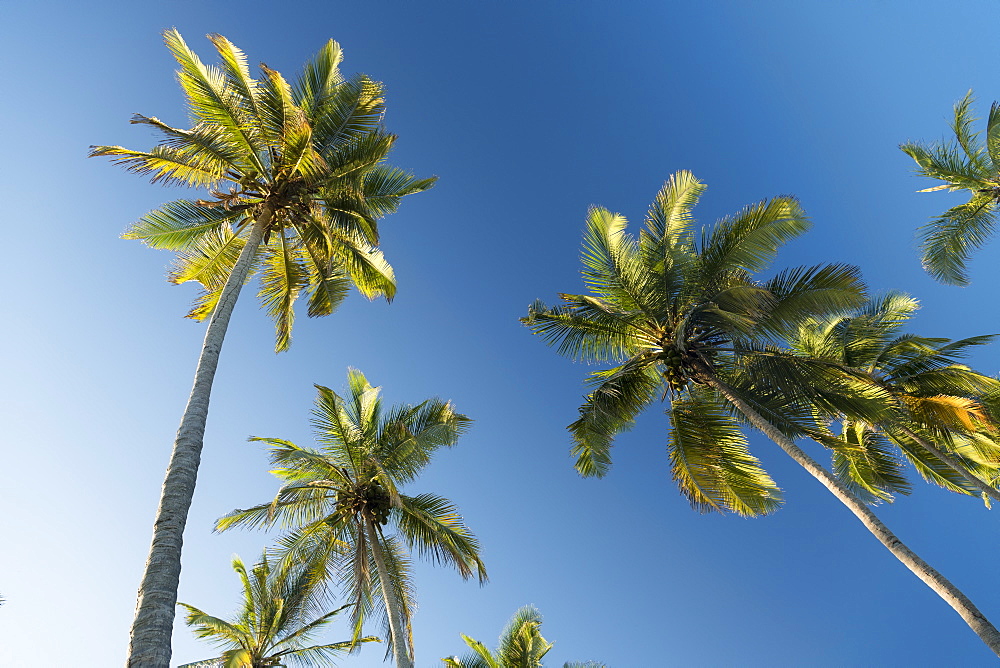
(958,468)
(392,605)
(945,589)
(149,646)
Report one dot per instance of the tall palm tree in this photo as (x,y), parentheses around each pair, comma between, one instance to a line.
(296,182)
(965,163)
(521,645)
(683,317)
(275,623)
(941,426)
(345,509)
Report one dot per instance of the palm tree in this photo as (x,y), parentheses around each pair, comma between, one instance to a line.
(683,317)
(940,402)
(965,163)
(342,500)
(307,183)
(276,621)
(521,645)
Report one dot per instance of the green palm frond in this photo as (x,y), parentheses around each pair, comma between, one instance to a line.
(948,241)
(181,224)
(930,468)
(353,109)
(612,269)
(750,239)
(833,388)
(803,293)
(432,527)
(319,80)
(928,392)
(585,329)
(164,164)
(620,395)
(283,277)
(211,100)
(865,460)
(711,462)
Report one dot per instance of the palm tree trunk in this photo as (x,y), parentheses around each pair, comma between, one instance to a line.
(392,604)
(945,589)
(958,468)
(149,646)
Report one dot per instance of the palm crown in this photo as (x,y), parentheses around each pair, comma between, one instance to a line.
(521,645)
(303,160)
(275,623)
(939,400)
(674,311)
(342,500)
(688,317)
(965,163)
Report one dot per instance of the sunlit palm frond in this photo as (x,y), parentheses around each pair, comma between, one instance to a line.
(865,461)
(711,462)
(619,396)
(612,267)
(181,224)
(432,527)
(750,239)
(585,328)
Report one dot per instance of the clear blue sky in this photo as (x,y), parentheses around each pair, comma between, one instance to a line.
(528,113)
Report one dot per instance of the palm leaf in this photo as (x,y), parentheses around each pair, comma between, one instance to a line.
(711,461)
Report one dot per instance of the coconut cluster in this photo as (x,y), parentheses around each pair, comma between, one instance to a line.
(368,500)
(675,367)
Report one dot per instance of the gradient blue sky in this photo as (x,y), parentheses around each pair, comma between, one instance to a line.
(528,113)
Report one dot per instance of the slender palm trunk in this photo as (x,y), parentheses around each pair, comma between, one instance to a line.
(392,604)
(945,589)
(149,646)
(958,468)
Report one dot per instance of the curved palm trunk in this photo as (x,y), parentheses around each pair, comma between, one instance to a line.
(392,604)
(945,589)
(149,646)
(958,468)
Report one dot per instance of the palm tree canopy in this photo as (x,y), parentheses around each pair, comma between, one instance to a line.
(330,494)
(937,395)
(521,645)
(310,155)
(276,622)
(966,162)
(673,306)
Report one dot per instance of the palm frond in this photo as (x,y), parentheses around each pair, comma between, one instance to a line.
(621,394)
(432,526)
(947,242)
(586,328)
(864,460)
(212,100)
(181,224)
(282,278)
(319,79)
(711,461)
(750,239)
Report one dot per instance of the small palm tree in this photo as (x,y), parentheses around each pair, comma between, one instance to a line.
(275,623)
(683,318)
(345,508)
(965,163)
(521,645)
(940,402)
(296,182)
